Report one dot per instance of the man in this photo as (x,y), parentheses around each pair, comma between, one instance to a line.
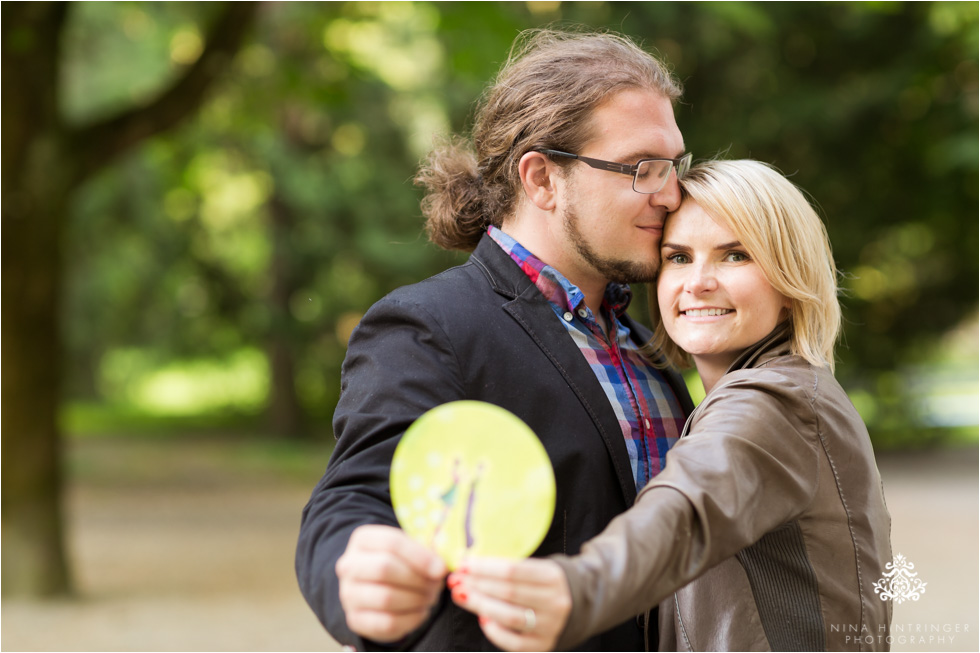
(575,168)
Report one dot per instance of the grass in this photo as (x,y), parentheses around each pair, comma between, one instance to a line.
(120,445)
(85,419)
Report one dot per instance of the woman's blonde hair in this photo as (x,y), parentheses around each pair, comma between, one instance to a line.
(543,97)
(783,234)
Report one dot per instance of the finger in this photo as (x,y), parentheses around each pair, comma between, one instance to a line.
(505,614)
(515,593)
(377,537)
(360,595)
(531,571)
(384,626)
(540,632)
(511,640)
(548,617)
(384,567)
(527,583)
(384,611)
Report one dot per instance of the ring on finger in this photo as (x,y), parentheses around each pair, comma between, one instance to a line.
(530,620)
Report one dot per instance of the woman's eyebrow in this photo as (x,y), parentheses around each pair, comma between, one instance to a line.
(732,245)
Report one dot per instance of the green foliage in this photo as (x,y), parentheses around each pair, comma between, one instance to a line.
(287,207)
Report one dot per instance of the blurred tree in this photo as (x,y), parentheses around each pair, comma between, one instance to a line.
(319,127)
(45,159)
(259,231)
(322,121)
(872,109)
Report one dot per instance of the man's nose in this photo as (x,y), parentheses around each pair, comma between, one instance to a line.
(669,196)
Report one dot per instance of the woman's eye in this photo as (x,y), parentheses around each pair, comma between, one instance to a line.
(679,259)
(738,257)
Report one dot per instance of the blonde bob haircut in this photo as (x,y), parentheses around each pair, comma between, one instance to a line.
(782,233)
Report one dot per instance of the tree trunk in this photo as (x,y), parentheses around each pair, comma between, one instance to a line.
(285,413)
(43,162)
(33,559)
(34,562)
(35,189)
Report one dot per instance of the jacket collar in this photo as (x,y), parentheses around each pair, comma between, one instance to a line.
(777,343)
(617,297)
(553,284)
(504,276)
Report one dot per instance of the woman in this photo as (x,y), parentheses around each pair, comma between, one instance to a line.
(767,529)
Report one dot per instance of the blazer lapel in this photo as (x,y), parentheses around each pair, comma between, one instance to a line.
(533,312)
(536,316)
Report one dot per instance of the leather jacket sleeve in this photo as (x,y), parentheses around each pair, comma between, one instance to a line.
(747,465)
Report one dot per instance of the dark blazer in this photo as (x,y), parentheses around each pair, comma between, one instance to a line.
(478,331)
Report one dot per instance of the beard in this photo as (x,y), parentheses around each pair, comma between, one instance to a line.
(615,269)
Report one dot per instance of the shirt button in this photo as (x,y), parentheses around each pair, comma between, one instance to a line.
(568,316)
(647,422)
(583,313)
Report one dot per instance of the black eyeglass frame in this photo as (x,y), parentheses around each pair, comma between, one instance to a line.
(626,168)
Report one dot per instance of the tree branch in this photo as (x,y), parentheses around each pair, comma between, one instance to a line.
(97,144)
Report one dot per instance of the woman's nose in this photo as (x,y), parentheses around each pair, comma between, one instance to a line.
(701,279)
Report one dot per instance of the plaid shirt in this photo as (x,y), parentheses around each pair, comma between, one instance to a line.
(648,411)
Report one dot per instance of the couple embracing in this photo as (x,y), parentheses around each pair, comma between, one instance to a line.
(755,521)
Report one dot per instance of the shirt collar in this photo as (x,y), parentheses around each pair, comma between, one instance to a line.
(553,285)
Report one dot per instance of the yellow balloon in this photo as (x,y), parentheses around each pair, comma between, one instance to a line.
(471,478)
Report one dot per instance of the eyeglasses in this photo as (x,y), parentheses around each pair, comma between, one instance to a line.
(649,175)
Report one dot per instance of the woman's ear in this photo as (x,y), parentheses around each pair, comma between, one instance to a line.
(786,313)
(538,175)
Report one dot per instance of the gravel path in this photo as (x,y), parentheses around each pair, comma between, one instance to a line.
(179,546)
(175,553)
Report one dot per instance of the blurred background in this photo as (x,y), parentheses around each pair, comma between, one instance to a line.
(200,200)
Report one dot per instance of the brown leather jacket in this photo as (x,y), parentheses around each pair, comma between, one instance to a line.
(767,529)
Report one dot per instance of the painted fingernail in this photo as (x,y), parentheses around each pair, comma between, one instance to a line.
(459,595)
(453,582)
(484,621)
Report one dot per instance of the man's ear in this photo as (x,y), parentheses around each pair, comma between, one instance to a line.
(538,174)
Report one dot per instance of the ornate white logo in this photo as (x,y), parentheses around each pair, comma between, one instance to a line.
(900,582)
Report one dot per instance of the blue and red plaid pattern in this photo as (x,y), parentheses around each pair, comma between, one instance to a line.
(649,413)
